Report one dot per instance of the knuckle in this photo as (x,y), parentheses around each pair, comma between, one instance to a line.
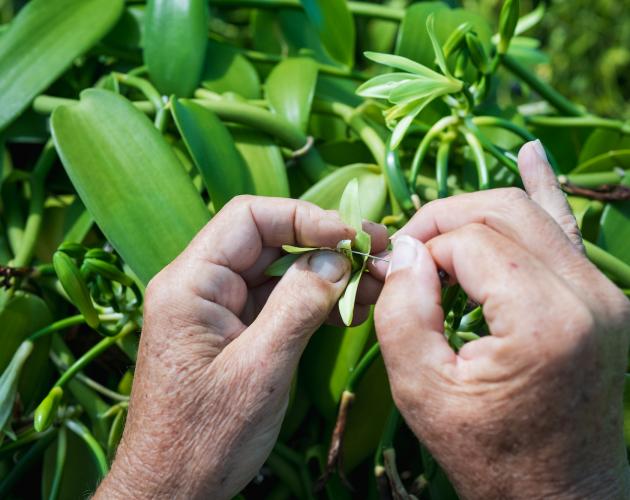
(513,194)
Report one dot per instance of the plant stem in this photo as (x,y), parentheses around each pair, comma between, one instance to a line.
(60,461)
(578,122)
(441,168)
(23,439)
(363,9)
(362,367)
(506,161)
(62,324)
(325,69)
(46,104)
(545,90)
(94,352)
(396,182)
(36,209)
(352,117)
(480,159)
(97,452)
(610,265)
(595,179)
(423,147)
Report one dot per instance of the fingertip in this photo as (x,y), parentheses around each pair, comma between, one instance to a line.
(379,235)
(533,163)
(378,267)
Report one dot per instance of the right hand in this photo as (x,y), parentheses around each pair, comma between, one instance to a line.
(535,409)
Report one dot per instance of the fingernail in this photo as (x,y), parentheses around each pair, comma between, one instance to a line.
(540,150)
(330,266)
(404,253)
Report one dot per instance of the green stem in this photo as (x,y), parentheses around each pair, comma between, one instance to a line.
(352,117)
(610,265)
(36,208)
(441,168)
(547,92)
(363,9)
(93,353)
(23,439)
(325,69)
(523,133)
(46,104)
(506,161)
(423,147)
(396,182)
(151,93)
(362,367)
(62,324)
(97,452)
(595,179)
(24,463)
(60,461)
(579,122)
(480,159)
(93,384)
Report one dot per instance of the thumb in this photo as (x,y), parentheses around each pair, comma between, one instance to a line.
(301,302)
(543,187)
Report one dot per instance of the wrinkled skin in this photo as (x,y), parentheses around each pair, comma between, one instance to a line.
(220,345)
(535,409)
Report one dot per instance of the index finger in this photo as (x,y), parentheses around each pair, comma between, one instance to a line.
(236,236)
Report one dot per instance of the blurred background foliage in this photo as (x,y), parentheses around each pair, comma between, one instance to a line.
(587,44)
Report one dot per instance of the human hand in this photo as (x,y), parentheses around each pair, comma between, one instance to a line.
(535,409)
(220,344)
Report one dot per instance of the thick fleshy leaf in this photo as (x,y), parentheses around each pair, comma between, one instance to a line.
(175,41)
(224,172)
(20,316)
(290,88)
(129,179)
(328,360)
(264,161)
(228,71)
(614,231)
(333,21)
(42,41)
(404,64)
(372,190)
(9,382)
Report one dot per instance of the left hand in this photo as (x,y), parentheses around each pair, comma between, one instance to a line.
(220,345)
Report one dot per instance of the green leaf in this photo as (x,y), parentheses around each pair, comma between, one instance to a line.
(9,381)
(20,316)
(327,362)
(223,170)
(298,250)
(437,48)
(129,179)
(372,190)
(264,161)
(404,64)
(382,86)
(334,23)
(290,88)
(346,302)
(350,212)
(228,71)
(507,24)
(41,43)
(614,230)
(282,265)
(175,41)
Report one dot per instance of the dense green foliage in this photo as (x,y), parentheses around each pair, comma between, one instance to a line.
(125,126)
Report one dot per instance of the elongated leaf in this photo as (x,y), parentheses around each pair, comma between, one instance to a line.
(372,190)
(282,265)
(437,47)
(42,42)
(175,43)
(129,179)
(223,170)
(333,21)
(264,161)
(346,302)
(381,86)
(9,382)
(290,88)
(404,64)
(298,250)
(228,71)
